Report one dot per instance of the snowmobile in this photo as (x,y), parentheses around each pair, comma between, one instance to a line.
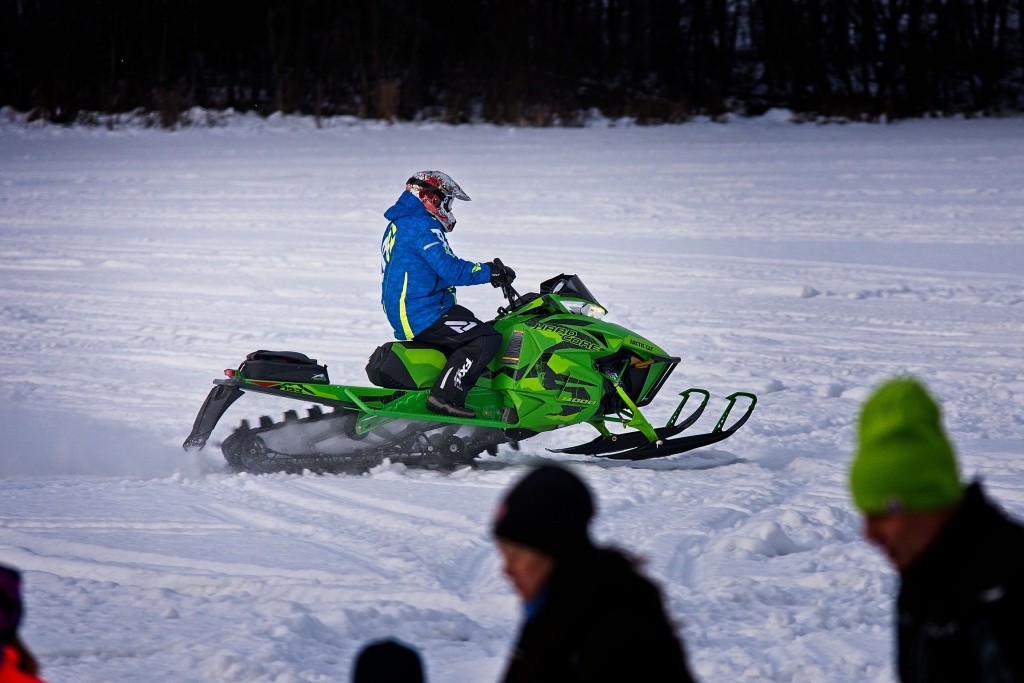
(561,364)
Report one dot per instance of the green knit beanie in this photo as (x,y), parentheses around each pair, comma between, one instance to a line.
(903,460)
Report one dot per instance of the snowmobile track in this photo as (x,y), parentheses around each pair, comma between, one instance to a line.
(330,442)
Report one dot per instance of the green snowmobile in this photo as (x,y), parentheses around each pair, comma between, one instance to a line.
(561,365)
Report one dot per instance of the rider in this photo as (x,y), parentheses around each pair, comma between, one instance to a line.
(420,273)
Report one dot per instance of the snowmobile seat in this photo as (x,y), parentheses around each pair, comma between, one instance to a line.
(405,365)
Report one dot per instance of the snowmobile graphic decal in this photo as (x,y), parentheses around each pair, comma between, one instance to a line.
(566,335)
(288,387)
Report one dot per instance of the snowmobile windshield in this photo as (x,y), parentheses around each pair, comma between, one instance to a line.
(570,287)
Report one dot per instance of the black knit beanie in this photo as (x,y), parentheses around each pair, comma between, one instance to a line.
(549,510)
(10,603)
(387,661)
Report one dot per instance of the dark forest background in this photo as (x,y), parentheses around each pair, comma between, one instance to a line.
(526,62)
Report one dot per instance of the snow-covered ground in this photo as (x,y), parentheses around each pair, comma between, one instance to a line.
(804,263)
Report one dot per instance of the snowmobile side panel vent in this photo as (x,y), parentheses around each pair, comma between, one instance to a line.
(514,348)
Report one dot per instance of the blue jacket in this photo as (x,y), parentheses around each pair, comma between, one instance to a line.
(420,271)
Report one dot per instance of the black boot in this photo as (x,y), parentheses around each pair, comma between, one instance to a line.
(443,407)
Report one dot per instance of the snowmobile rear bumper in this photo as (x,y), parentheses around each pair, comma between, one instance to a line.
(220,398)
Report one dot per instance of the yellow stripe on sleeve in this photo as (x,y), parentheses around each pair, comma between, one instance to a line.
(406,328)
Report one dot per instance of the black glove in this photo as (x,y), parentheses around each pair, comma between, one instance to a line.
(501,274)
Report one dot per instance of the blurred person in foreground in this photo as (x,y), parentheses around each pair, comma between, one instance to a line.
(960,610)
(387,661)
(589,615)
(17,665)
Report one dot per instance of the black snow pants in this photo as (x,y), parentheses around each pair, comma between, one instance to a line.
(471,344)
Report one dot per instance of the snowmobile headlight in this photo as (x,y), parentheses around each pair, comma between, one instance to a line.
(585,308)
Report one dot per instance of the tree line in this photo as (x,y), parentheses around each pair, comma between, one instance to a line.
(526,62)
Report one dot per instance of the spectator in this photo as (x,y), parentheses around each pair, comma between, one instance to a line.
(589,615)
(387,661)
(17,665)
(960,559)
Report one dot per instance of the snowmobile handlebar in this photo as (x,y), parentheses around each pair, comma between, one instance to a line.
(512,296)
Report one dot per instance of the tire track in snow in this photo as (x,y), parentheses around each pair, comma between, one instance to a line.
(372,511)
(414,547)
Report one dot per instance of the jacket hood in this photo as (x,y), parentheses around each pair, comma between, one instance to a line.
(407,205)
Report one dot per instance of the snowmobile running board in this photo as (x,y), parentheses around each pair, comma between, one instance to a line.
(420,412)
(638,446)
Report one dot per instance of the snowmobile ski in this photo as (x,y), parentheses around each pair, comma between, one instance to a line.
(608,442)
(663,447)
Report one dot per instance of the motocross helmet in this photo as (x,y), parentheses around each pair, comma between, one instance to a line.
(437,191)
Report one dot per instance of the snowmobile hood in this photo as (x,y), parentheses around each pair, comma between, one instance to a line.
(407,205)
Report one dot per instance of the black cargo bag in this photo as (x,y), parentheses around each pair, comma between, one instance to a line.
(284,366)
